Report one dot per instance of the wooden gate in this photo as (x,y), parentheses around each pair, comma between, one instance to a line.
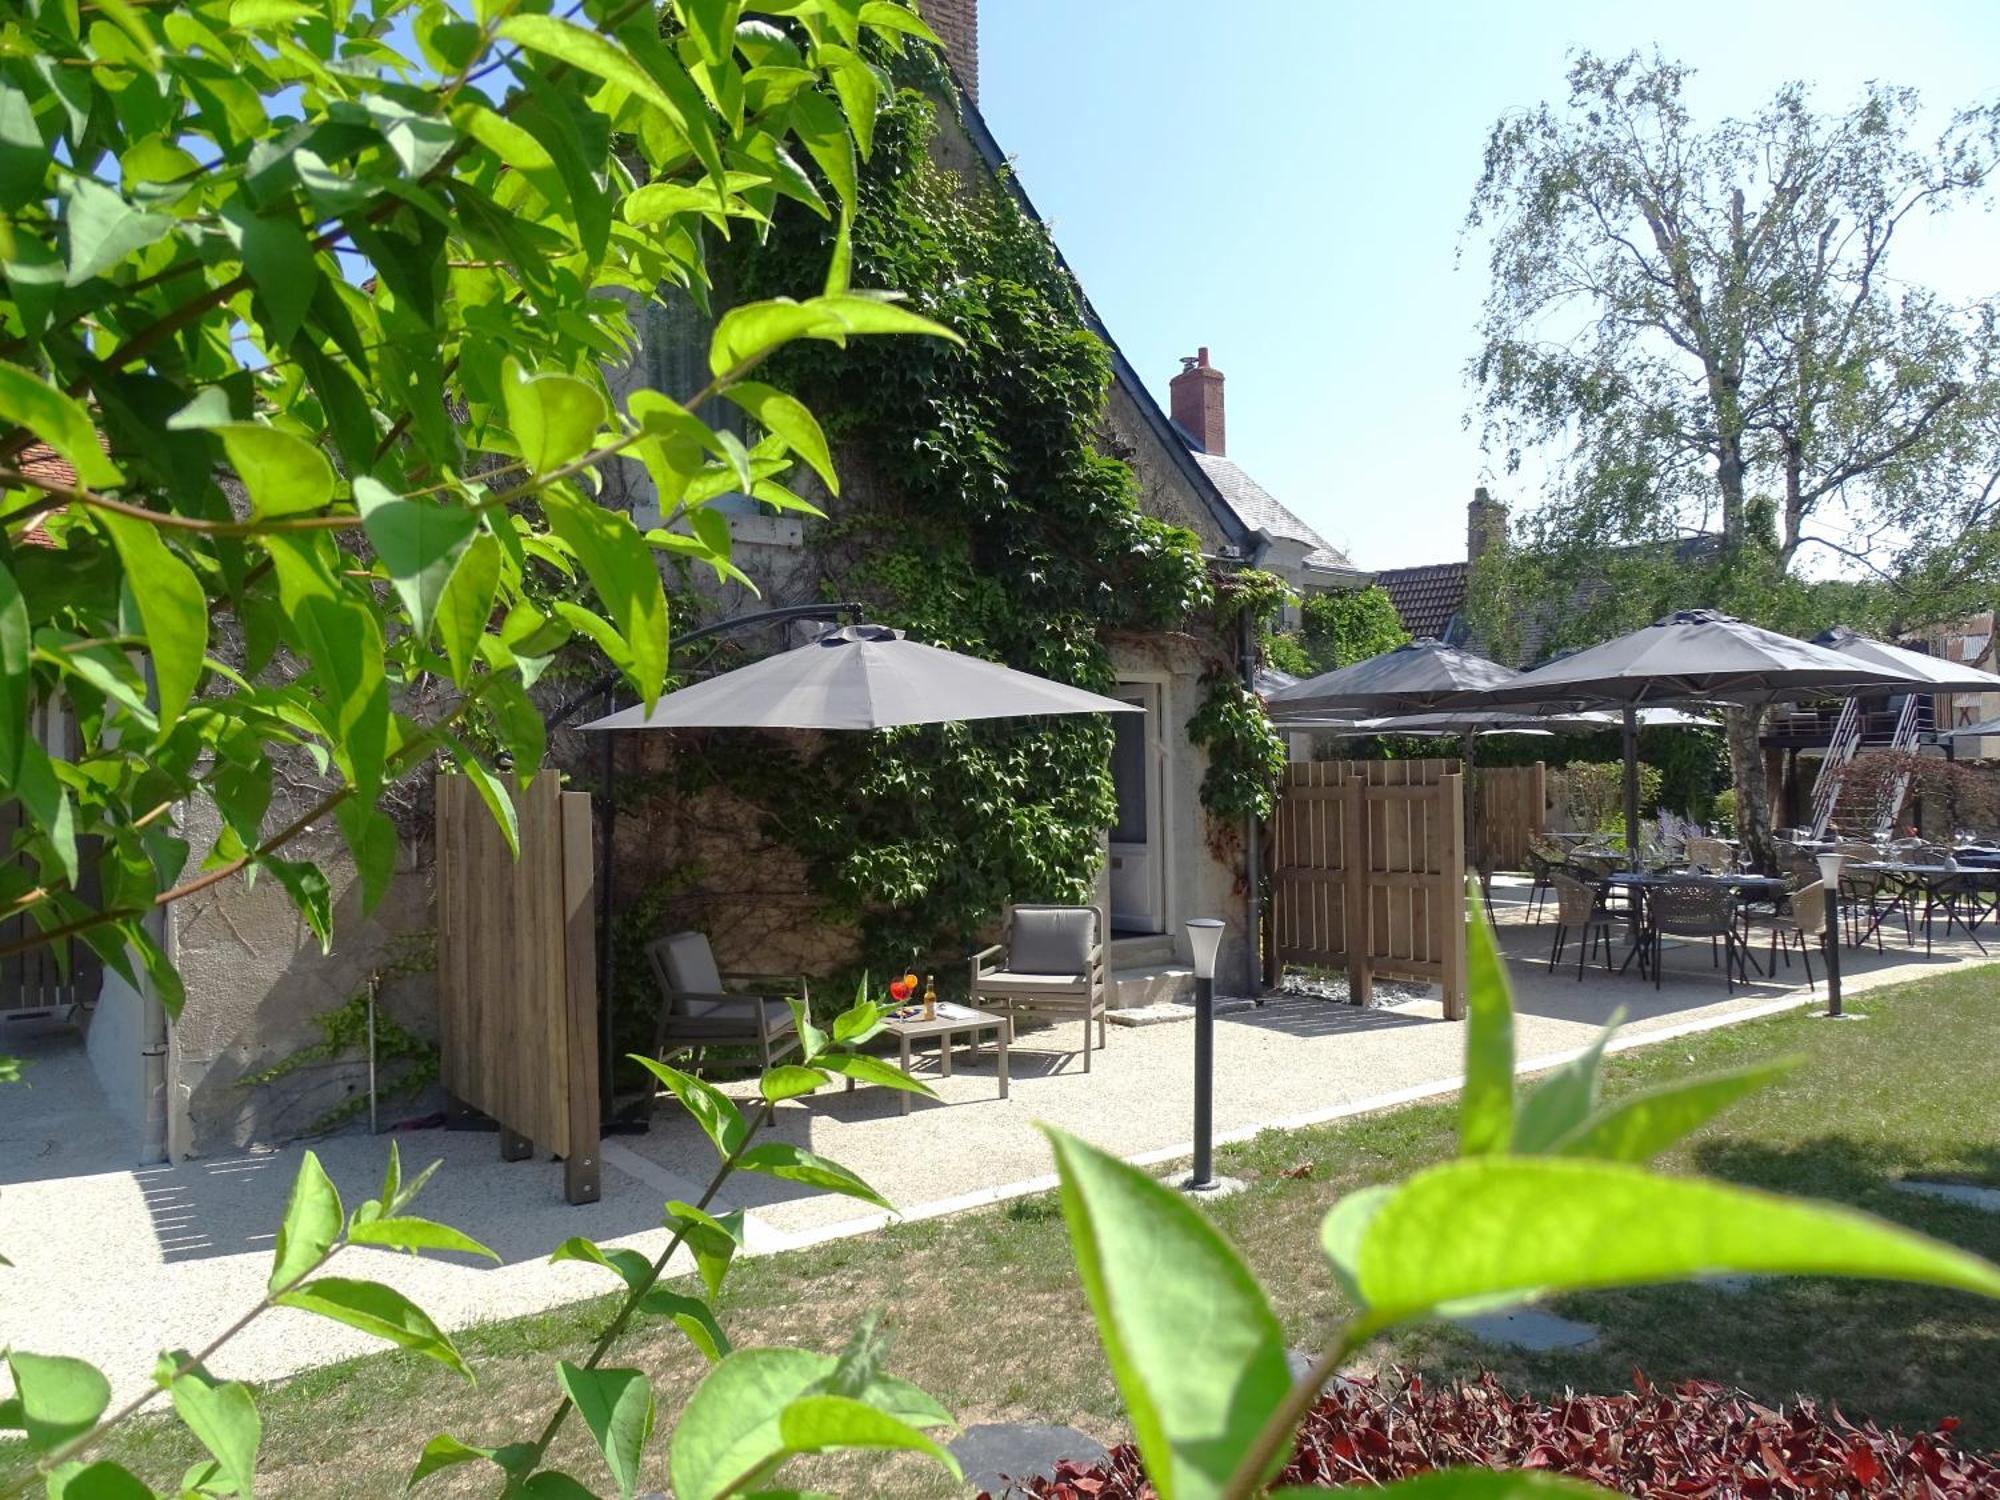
(1513,808)
(1369,872)
(517,973)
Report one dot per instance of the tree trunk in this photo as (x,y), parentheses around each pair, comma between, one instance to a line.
(1746,768)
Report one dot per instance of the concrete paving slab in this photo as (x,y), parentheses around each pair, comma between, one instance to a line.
(995,1454)
(1967,1193)
(1529,1328)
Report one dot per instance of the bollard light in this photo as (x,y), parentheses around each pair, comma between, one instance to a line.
(1204,942)
(1204,936)
(1829,875)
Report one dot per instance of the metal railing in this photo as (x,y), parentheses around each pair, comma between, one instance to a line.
(1826,786)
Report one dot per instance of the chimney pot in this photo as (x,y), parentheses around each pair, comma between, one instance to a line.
(1196,401)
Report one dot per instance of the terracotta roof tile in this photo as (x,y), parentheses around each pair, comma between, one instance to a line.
(42,461)
(1430,600)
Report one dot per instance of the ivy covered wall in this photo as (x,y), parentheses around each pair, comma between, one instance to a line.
(982,508)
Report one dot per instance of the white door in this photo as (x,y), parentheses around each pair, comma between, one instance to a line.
(1138,862)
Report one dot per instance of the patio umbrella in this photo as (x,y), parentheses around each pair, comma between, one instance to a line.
(861,677)
(1695,655)
(1971,731)
(1416,677)
(1935,673)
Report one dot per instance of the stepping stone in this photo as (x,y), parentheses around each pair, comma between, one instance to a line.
(1160,1013)
(1528,1328)
(996,1453)
(1966,1193)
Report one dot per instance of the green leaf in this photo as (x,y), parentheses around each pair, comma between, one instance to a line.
(822,130)
(420,542)
(789,1081)
(103,228)
(728,1436)
(788,418)
(342,637)
(224,1417)
(633,1267)
(1641,1125)
(857,1023)
(617,1407)
(173,607)
(796,1164)
(591,51)
(1566,1098)
(102,1480)
(714,1111)
(693,1317)
(1504,1226)
(1468,1484)
(306,884)
(280,262)
(373,841)
(378,1310)
(553,417)
(285,475)
(56,1398)
(881,313)
(863,1068)
(885,16)
(465,606)
(492,791)
(622,571)
(553,1484)
(713,1241)
(822,1424)
(311,1224)
(59,420)
(1161,1282)
(16,682)
(1486,1107)
(397,1232)
(443,1452)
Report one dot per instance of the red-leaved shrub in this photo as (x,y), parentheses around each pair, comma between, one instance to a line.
(1696,1440)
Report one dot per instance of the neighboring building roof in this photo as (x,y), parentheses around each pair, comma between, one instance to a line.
(1260,510)
(1234,532)
(1429,600)
(44,463)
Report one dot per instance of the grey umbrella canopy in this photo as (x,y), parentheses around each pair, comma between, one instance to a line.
(1485,721)
(1416,677)
(1696,655)
(1935,673)
(1971,731)
(862,677)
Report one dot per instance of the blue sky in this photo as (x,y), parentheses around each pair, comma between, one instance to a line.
(1284,181)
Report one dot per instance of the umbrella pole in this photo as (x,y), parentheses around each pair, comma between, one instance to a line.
(1631,745)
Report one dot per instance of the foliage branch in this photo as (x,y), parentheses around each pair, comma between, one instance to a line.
(315,299)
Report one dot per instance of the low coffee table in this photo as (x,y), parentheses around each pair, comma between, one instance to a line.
(951,1020)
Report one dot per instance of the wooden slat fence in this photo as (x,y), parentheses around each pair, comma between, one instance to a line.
(517,987)
(1512,808)
(1369,872)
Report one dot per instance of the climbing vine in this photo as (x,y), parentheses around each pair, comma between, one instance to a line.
(979,514)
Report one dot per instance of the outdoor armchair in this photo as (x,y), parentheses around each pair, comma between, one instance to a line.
(1049,960)
(701,1007)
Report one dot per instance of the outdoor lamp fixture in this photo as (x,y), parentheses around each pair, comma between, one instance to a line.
(1829,876)
(1204,940)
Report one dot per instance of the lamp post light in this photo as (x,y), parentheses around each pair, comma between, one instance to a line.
(1829,876)
(1204,941)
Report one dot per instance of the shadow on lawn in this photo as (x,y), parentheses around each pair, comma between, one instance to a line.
(1908,1356)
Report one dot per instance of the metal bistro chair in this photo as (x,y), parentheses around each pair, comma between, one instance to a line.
(1801,922)
(1049,959)
(1870,896)
(1545,859)
(699,1008)
(1695,909)
(1581,909)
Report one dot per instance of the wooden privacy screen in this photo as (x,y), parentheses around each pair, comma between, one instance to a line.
(517,973)
(1369,872)
(1513,808)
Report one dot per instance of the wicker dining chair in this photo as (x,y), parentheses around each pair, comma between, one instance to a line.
(1710,854)
(1799,923)
(1580,909)
(1695,909)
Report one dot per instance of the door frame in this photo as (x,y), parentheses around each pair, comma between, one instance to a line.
(1149,689)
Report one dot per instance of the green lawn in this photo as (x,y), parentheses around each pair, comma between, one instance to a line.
(987,1314)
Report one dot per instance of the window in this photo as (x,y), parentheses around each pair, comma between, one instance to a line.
(676,338)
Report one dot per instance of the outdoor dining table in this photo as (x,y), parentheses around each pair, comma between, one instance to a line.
(1941,886)
(1756,887)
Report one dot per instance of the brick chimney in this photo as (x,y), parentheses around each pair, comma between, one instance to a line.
(1485,525)
(957,24)
(1196,398)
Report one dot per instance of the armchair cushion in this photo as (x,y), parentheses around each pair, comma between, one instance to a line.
(1009,981)
(740,1010)
(690,966)
(1052,940)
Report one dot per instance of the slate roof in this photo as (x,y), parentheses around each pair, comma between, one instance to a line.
(1430,600)
(1260,510)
